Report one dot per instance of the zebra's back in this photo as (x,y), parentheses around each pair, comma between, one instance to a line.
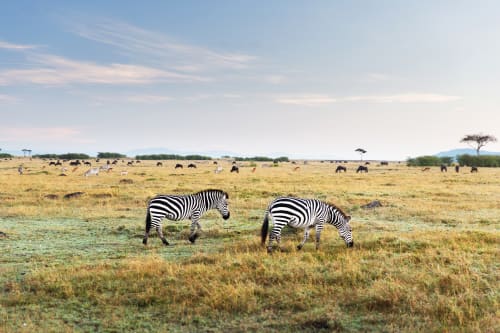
(297,212)
(174,207)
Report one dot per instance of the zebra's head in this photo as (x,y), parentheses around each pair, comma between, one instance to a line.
(345,232)
(222,206)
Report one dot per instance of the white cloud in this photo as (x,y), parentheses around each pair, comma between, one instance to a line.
(56,70)
(306,100)
(16,47)
(160,48)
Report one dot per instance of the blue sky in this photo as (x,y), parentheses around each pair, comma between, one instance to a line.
(311,79)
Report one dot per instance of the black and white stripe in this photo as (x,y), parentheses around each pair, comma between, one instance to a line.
(306,214)
(182,207)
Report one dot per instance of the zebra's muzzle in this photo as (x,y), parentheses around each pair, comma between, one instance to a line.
(350,244)
(225,217)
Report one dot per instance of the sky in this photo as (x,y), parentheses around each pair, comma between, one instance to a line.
(304,79)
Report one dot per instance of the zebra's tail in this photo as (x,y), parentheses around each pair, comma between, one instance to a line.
(148,227)
(265,228)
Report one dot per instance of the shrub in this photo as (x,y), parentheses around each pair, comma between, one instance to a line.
(479,161)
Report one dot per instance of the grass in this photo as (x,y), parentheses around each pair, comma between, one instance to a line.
(427,260)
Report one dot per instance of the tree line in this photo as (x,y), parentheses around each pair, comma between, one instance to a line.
(463,160)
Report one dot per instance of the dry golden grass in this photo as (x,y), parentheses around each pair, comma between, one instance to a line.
(425,261)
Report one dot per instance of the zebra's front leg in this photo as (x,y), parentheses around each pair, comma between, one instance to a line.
(160,234)
(195,227)
(318,235)
(306,236)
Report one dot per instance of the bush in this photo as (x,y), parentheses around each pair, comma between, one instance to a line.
(110,155)
(5,155)
(429,161)
(479,161)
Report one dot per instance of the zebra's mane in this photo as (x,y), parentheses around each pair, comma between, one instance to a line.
(337,208)
(213,190)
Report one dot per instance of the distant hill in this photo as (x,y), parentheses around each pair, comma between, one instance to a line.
(469,151)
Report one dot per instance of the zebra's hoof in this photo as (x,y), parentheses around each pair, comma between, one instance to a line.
(193,238)
(145,241)
(299,247)
(165,242)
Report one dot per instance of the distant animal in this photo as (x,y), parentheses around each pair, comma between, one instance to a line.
(253,170)
(362,168)
(426,169)
(20,169)
(340,168)
(182,207)
(159,164)
(52,163)
(296,168)
(75,163)
(444,168)
(124,173)
(92,172)
(178,166)
(58,163)
(215,162)
(473,169)
(384,163)
(64,169)
(130,163)
(367,163)
(106,168)
(115,162)
(306,214)
(87,163)
(192,166)
(235,168)
(457,168)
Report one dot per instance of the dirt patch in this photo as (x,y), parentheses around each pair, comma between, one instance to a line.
(51,196)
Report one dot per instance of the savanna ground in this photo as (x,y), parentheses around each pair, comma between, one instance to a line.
(427,260)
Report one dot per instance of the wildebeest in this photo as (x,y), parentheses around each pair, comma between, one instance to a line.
(178,166)
(87,163)
(75,163)
(130,163)
(362,168)
(426,169)
(473,169)
(235,169)
(384,163)
(191,165)
(457,168)
(159,164)
(443,168)
(340,168)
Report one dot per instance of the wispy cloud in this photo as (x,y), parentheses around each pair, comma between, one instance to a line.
(56,70)
(403,98)
(15,47)
(7,99)
(306,100)
(41,134)
(160,48)
(320,100)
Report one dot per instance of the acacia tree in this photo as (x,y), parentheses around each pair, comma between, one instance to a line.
(478,141)
(361,151)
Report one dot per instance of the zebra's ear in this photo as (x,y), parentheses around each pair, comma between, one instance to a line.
(347,218)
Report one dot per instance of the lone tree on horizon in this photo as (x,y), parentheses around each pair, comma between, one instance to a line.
(478,141)
(361,151)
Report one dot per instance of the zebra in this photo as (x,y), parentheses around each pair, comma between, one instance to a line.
(304,213)
(92,171)
(181,207)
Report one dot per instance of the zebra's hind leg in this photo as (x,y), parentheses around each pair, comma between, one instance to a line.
(306,236)
(195,228)
(160,234)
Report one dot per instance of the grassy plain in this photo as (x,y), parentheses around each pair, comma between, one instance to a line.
(427,260)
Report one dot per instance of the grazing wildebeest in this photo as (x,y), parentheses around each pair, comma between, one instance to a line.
(181,207)
(52,163)
(473,169)
(426,169)
(178,166)
(340,168)
(367,163)
(87,163)
(444,168)
(192,166)
(362,168)
(75,163)
(235,169)
(159,164)
(457,168)
(384,163)
(130,163)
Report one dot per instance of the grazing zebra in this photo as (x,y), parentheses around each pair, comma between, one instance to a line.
(92,171)
(182,207)
(304,213)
